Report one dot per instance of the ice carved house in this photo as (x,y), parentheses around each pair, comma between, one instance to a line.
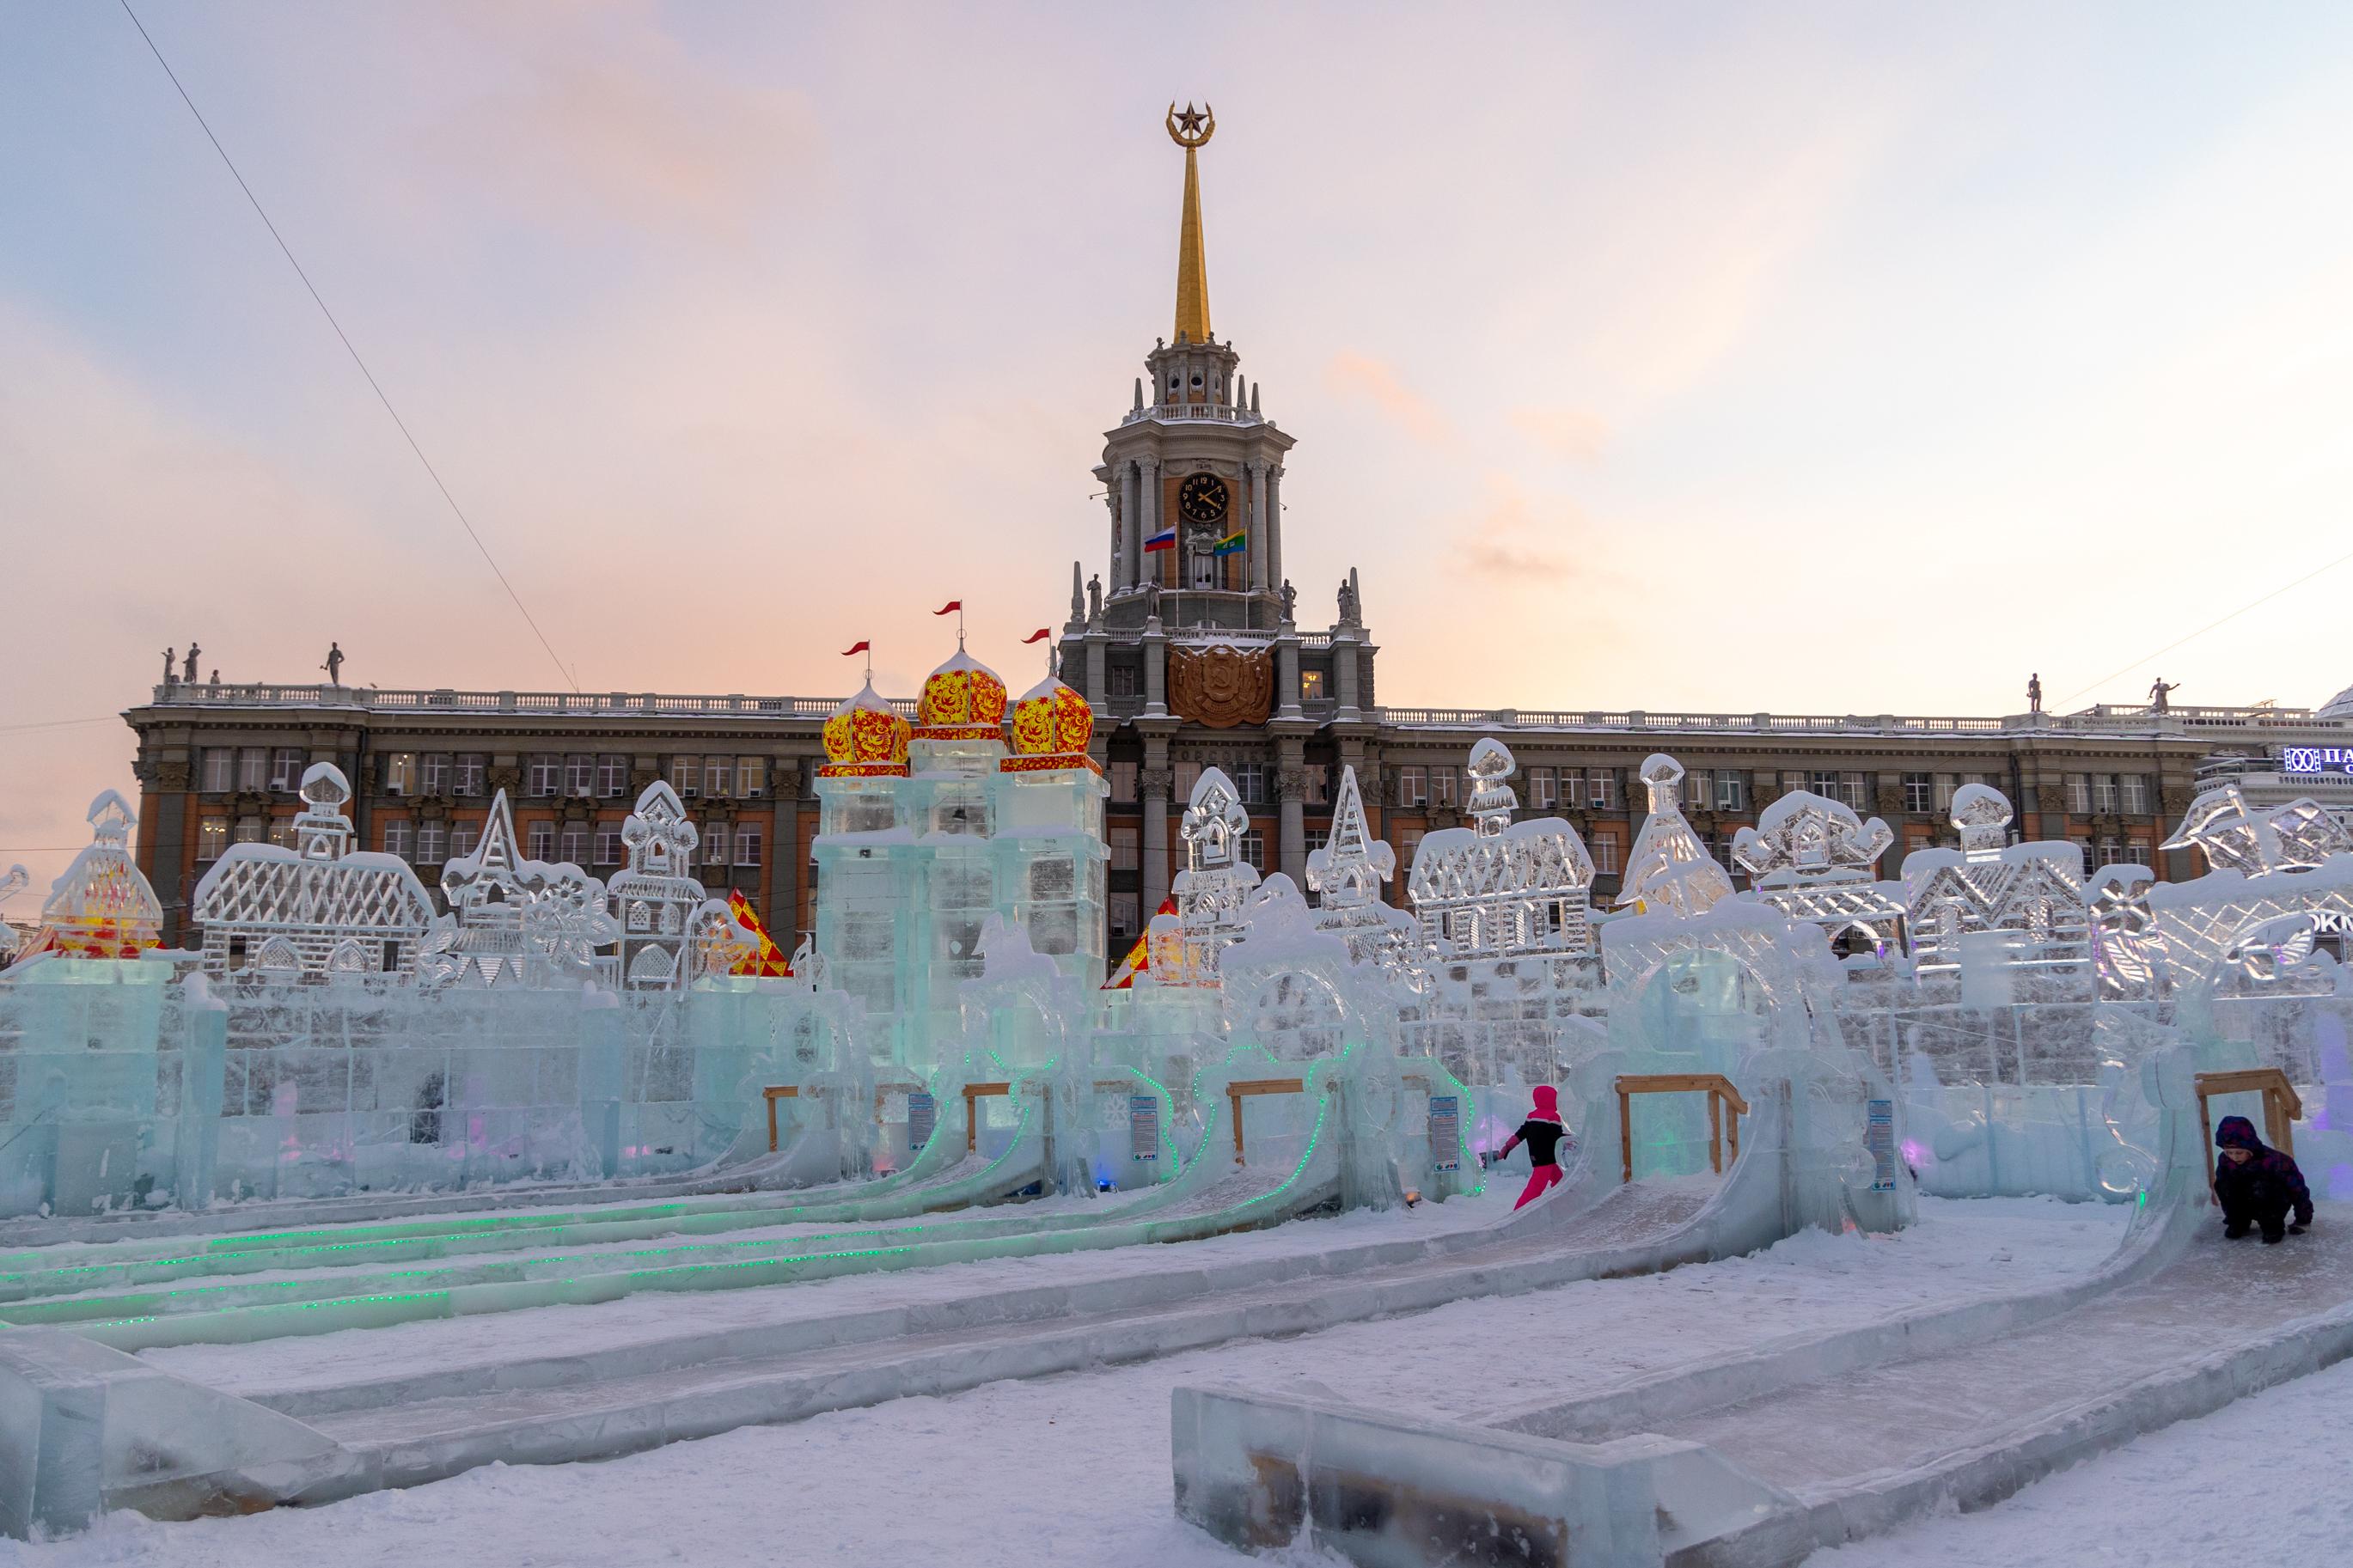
(2026,899)
(102,907)
(515,921)
(317,908)
(1670,871)
(1501,888)
(663,919)
(1814,859)
(1213,890)
(1347,873)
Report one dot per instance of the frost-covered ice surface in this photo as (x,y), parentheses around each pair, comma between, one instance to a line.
(2267,1481)
(1075,1468)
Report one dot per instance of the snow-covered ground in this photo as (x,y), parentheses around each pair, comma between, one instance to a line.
(1075,1468)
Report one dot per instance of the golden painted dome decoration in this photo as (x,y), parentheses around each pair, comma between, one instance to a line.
(1051,727)
(864,736)
(963,700)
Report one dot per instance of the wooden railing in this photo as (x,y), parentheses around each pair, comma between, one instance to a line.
(974,1094)
(1241,1089)
(773,1093)
(2282,1108)
(1721,1096)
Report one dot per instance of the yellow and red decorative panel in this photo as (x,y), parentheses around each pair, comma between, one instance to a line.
(864,738)
(1051,727)
(764,958)
(963,699)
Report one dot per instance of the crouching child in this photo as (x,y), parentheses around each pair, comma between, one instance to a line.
(2257,1185)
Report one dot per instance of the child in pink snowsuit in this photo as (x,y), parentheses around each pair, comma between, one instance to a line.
(1544,1135)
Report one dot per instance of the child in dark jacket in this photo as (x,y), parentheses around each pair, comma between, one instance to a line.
(1544,1135)
(2257,1185)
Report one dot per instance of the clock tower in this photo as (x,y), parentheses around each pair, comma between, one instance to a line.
(1192,475)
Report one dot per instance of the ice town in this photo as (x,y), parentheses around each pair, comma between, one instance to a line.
(1168,1103)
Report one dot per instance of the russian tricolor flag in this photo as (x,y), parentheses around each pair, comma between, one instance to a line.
(1164,540)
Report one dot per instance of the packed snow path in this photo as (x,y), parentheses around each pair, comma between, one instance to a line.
(986,1477)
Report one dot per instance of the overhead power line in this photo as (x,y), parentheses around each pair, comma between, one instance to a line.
(455,509)
(2201,631)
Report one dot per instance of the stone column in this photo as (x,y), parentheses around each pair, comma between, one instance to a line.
(1291,798)
(1344,672)
(1258,538)
(1274,524)
(1148,481)
(1127,569)
(1155,672)
(1152,785)
(1286,672)
(1095,688)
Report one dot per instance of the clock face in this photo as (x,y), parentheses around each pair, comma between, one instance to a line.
(1202,498)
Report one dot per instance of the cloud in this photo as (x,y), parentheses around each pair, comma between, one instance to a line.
(1574,433)
(1516,538)
(1348,374)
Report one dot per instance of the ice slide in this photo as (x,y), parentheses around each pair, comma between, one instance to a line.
(417,1417)
(1762,1458)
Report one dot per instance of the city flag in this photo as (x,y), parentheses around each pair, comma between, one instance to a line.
(766,958)
(951,608)
(854,649)
(1136,962)
(1164,540)
(1231,545)
(1040,635)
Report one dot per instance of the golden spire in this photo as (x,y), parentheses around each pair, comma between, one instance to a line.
(1189,130)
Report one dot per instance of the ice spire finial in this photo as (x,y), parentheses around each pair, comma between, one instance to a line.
(1192,130)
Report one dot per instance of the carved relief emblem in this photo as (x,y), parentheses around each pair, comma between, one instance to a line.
(1221,687)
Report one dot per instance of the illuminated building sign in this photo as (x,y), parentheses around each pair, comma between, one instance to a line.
(2317,759)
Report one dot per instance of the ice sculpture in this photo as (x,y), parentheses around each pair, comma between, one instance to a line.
(1500,888)
(317,908)
(102,907)
(2023,902)
(2127,951)
(1348,871)
(1214,886)
(667,928)
(1669,871)
(863,851)
(1047,802)
(1813,859)
(11,884)
(2299,835)
(515,921)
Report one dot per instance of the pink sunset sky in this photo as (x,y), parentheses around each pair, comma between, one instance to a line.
(1815,359)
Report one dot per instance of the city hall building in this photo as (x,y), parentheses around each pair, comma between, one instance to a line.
(1195,650)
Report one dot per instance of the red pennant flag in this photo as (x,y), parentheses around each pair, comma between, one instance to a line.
(951,608)
(856,649)
(1040,635)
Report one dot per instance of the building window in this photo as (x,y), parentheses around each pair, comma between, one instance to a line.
(1250,784)
(212,837)
(1318,838)
(463,838)
(538,841)
(473,772)
(400,773)
(719,778)
(2103,794)
(1825,784)
(253,769)
(219,771)
(608,844)
(1311,686)
(2135,793)
(281,832)
(1124,854)
(612,776)
(1122,780)
(747,845)
(432,843)
(1544,788)
(580,776)
(543,775)
(1413,787)
(1408,845)
(1603,790)
(1850,790)
(1188,775)
(1698,788)
(572,846)
(400,837)
(286,767)
(2135,853)
(1919,791)
(1123,910)
(714,844)
(750,777)
(1122,680)
(249,829)
(1945,784)
(2108,856)
(1441,787)
(1254,848)
(1731,790)
(433,772)
(2079,796)
(1605,852)
(686,776)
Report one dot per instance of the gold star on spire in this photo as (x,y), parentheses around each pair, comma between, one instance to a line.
(1192,130)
